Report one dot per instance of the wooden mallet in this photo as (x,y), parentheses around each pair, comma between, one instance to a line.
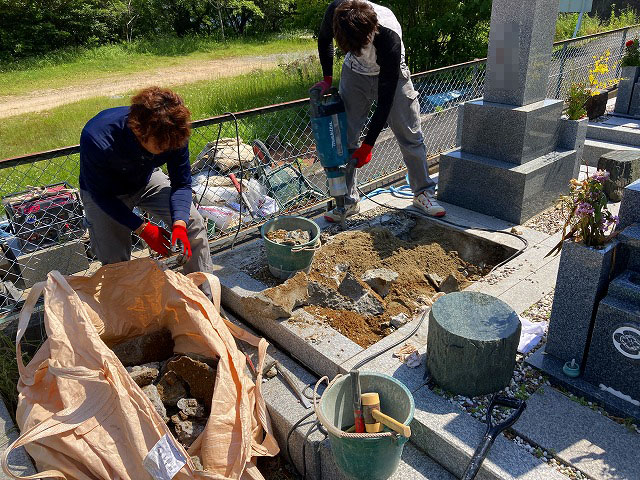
(374,418)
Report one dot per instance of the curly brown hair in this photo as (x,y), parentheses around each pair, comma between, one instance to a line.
(354,22)
(160,114)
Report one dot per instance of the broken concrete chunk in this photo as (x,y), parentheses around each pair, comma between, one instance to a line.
(323,296)
(188,430)
(399,320)
(171,389)
(364,301)
(434,279)
(450,285)
(152,347)
(277,302)
(350,287)
(200,377)
(154,397)
(191,408)
(368,305)
(145,374)
(380,280)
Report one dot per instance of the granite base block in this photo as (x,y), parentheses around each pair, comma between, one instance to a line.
(630,207)
(511,134)
(552,366)
(510,192)
(626,286)
(583,277)
(614,353)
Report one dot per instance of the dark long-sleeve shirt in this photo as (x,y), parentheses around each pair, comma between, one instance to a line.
(383,57)
(112,163)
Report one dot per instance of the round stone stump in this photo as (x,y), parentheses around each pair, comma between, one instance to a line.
(472,343)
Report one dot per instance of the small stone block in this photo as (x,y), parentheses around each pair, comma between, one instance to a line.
(472,344)
(380,280)
(624,169)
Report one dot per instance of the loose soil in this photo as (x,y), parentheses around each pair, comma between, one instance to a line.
(420,250)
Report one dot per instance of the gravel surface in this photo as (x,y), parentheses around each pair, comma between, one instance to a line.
(550,221)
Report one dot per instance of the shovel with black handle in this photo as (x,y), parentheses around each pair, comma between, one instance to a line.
(493,431)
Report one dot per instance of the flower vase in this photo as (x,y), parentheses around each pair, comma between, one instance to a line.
(596,105)
(583,278)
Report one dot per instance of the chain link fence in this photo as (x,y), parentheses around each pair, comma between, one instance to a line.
(269,150)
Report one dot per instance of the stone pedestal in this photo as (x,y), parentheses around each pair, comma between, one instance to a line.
(511,163)
(472,343)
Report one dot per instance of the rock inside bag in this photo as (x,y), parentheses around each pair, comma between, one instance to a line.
(179,387)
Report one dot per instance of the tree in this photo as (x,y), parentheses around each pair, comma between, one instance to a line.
(442,32)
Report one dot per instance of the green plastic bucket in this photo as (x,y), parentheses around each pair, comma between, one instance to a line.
(365,458)
(285,260)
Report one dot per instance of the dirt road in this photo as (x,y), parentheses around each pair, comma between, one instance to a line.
(41,100)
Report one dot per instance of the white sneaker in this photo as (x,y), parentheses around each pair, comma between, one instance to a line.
(427,203)
(334,217)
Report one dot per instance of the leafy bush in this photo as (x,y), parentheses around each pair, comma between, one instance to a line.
(576,100)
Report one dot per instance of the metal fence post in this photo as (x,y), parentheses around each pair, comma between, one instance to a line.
(563,59)
(622,45)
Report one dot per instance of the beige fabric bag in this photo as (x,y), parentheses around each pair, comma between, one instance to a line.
(82,416)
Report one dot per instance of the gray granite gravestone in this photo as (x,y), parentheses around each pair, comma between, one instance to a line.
(613,360)
(472,343)
(630,206)
(510,163)
(626,87)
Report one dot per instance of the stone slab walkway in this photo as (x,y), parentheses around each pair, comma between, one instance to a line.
(580,436)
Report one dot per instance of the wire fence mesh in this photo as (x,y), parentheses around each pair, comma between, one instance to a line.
(269,150)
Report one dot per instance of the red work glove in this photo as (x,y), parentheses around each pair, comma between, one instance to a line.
(362,155)
(156,238)
(324,85)
(180,233)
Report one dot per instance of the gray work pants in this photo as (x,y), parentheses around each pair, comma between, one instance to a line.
(358,93)
(111,241)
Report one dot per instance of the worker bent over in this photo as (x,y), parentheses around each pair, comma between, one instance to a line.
(121,150)
(374,69)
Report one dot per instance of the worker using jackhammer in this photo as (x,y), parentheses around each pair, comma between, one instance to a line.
(121,150)
(374,69)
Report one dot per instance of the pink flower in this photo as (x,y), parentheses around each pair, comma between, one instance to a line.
(584,209)
(600,176)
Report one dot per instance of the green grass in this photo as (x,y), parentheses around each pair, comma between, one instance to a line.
(566,23)
(78,65)
(61,126)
